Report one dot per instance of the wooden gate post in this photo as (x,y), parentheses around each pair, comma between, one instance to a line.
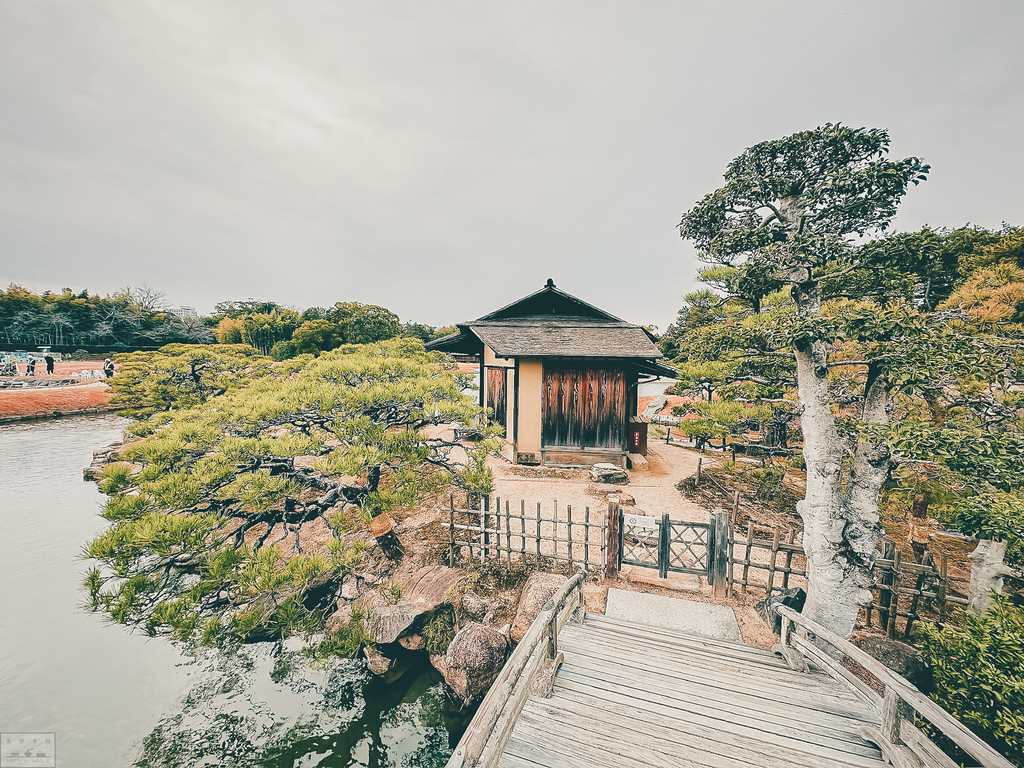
(664,546)
(485,535)
(720,554)
(611,544)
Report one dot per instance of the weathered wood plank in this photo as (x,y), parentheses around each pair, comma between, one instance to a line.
(668,734)
(599,621)
(690,645)
(747,711)
(708,715)
(705,682)
(668,654)
(940,718)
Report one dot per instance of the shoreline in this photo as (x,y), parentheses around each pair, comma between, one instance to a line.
(36,403)
(46,415)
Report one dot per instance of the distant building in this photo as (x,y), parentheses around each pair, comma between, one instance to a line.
(560,376)
(184,311)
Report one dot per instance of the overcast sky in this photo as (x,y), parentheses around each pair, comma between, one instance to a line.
(445,158)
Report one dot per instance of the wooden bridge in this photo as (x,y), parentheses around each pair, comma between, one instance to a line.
(584,689)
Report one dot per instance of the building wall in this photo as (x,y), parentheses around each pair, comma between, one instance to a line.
(510,412)
(492,361)
(531,377)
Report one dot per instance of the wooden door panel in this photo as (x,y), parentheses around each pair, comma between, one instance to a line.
(583,407)
(497,394)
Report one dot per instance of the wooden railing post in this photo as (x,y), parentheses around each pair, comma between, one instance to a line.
(885,585)
(611,567)
(451,531)
(485,536)
(496,716)
(720,554)
(552,630)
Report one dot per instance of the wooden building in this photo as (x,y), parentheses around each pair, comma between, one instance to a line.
(561,376)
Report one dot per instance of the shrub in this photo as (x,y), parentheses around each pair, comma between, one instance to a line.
(769,482)
(439,632)
(283,350)
(344,642)
(978,671)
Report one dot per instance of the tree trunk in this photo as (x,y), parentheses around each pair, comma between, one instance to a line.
(835,589)
(987,572)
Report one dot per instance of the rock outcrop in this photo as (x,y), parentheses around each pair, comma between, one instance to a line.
(608,473)
(538,590)
(473,660)
(387,666)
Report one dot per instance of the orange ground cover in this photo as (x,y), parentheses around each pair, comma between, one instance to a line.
(50,401)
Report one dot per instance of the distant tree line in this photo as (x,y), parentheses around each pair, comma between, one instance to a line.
(129,319)
(138,318)
(284,333)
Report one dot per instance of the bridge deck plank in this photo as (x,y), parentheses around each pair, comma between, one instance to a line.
(630,696)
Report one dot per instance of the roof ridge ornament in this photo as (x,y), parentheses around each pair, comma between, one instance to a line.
(550,283)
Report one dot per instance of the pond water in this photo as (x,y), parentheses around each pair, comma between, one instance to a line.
(115,698)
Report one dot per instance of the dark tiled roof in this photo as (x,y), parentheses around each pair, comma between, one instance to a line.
(565,337)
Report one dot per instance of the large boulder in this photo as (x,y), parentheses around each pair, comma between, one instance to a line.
(423,591)
(538,590)
(426,588)
(899,657)
(473,661)
(791,598)
(474,607)
(386,666)
(608,473)
(387,623)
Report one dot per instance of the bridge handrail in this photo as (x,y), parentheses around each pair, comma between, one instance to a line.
(499,698)
(900,697)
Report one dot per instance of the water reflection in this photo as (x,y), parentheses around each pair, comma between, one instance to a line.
(262,706)
(114,698)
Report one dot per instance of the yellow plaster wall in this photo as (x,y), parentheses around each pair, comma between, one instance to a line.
(491,360)
(510,410)
(531,378)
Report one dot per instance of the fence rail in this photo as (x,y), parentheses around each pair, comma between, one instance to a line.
(901,742)
(763,554)
(909,591)
(478,531)
(757,558)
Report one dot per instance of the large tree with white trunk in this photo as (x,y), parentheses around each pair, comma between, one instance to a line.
(791,212)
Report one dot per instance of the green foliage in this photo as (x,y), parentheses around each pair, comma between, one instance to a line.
(115,477)
(364,323)
(260,491)
(992,515)
(316,336)
(393,592)
(283,350)
(131,318)
(978,672)
(931,320)
(263,330)
(477,476)
(703,428)
(439,632)
(769,482)
(344,642)
(196,548)
(184,376)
